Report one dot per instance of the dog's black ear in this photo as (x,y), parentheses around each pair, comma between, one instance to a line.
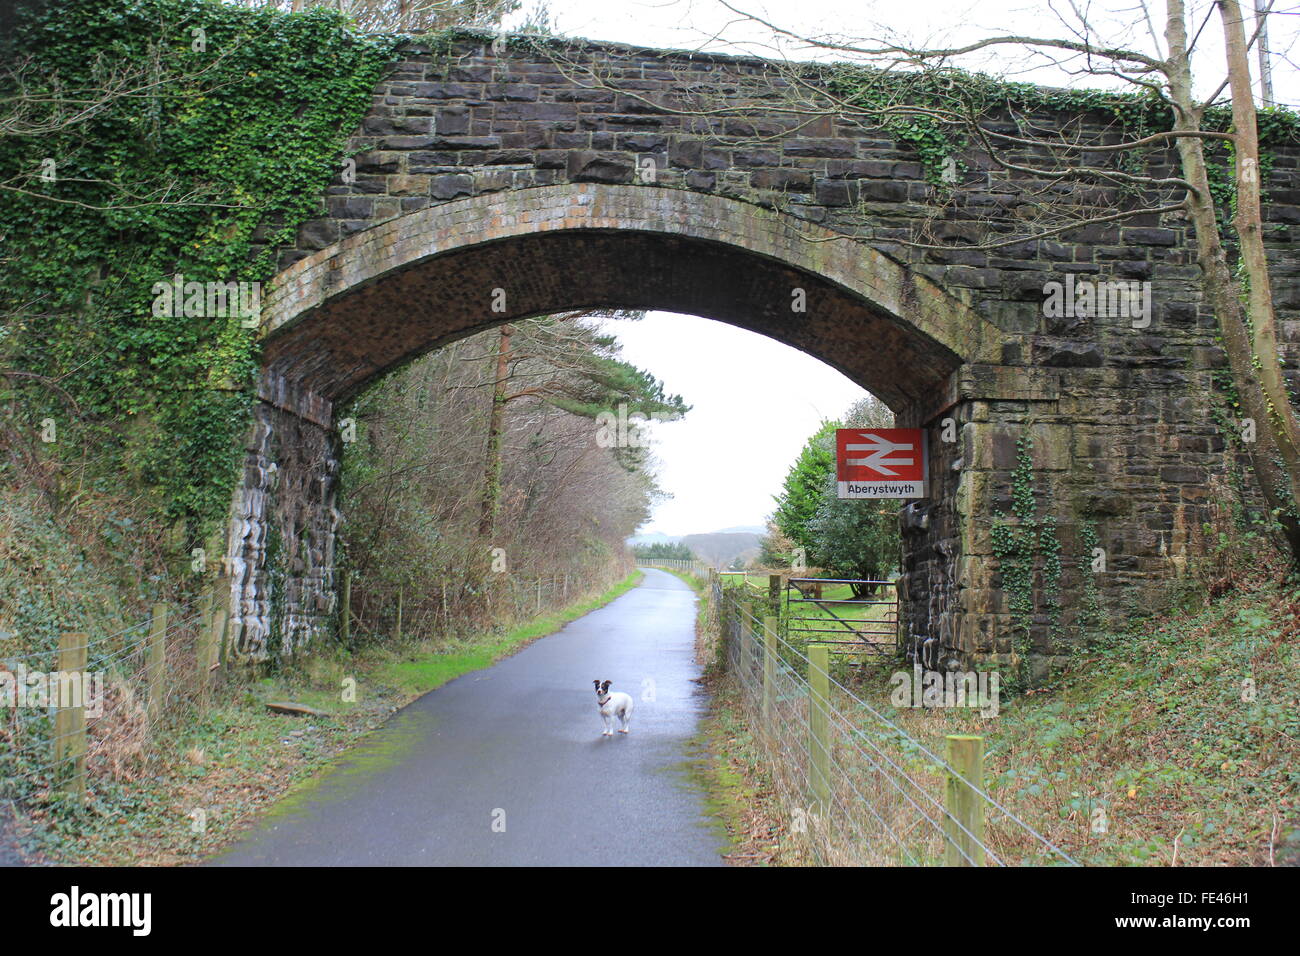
(597,683)
(605,686)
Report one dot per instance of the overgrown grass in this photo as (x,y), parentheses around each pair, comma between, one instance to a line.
(209,774)
(1171,742)
(425,670)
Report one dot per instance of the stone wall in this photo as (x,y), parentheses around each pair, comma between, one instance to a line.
(283,529)
(566,175)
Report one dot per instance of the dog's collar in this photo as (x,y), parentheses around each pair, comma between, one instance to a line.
(604,700)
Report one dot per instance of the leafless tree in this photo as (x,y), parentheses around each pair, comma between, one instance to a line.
(416,16)
(435,440)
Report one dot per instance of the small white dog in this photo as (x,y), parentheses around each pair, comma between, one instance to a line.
(612,705)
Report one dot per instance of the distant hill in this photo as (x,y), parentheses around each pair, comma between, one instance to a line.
(718,548)
(721,548)
(653,537)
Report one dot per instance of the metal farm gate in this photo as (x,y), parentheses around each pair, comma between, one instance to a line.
(852,616)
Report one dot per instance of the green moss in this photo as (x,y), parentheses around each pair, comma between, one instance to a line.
(356,769)
(966,96)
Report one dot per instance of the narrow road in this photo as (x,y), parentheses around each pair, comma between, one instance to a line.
(507,766)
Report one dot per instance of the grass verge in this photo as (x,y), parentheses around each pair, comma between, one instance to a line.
(220,768)
(729,768)
(1172,741)
(738,787)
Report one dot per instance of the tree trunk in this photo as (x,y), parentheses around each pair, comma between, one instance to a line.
(1276,485)
(492,471)
(1250,231)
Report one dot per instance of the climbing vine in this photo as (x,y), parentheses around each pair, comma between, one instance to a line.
(1090,612)
(965,96)
(231,126)
(1026,547)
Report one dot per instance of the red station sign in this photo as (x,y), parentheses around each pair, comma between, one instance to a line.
(881,462)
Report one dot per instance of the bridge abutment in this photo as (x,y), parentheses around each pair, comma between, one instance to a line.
(280,548)
(1036,528)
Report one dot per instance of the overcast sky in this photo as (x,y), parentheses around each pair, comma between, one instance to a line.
(711,25)
(754,403)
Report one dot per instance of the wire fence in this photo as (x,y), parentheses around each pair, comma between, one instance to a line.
(688,565)
(76,707)
(856,788)
(373,610)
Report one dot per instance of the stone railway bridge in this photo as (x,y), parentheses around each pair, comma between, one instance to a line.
(584,176)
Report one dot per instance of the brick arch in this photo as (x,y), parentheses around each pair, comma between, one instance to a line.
(339,318)
(335,320)
(479,166)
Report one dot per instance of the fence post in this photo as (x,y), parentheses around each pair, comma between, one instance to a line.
(725,615)
(346,610)
(819,737)
(964,847)
(399,613)
(749,648)
(769,668)
(156,663)
(774,592)
(205,651)
(70,721)
(221,631)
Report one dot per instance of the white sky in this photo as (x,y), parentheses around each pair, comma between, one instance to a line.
(709,25)
(754,403)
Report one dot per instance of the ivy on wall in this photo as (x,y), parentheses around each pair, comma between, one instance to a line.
(969,95)
(1027,546)
(1090,605)
(225,129)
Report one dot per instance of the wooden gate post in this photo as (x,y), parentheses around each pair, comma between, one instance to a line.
(727,613)
(774,592)
(965,843)
(156,663)
(819,738)
(400,595)
(70,721)
(751,629)
(769,668)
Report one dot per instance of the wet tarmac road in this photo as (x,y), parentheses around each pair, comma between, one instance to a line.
(507,766)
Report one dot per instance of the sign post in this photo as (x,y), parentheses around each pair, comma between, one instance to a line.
(881,463)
